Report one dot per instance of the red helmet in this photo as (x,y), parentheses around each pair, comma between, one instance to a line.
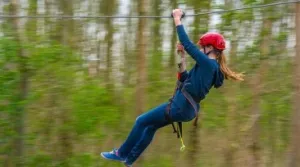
(214,39)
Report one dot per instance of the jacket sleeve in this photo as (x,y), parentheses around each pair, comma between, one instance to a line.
(182,76)
(190,48)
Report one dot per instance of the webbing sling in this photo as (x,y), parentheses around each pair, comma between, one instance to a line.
(190,99)
(192,102)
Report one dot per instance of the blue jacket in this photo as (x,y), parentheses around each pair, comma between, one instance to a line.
(204,74)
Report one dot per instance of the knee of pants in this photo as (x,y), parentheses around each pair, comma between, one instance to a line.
(140,121)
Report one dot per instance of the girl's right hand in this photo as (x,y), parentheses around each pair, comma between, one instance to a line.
(177,14)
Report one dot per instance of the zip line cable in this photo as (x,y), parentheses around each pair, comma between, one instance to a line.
(146,16)
(248,7)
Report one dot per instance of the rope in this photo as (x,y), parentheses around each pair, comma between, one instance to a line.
(144,16)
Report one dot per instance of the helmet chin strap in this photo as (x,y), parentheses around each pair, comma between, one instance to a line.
(207,52)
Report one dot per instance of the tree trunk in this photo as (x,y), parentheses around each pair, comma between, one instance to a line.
(141,56)
(31,25)
(156,58)
(64,133)
(272,138)
(230,150)
(255,146)
(108,7)
(50,117)
(156,71)
(129,56)
(141,62)
(109,40)
(232,109)
(294,156)
(98,62)
(23,89)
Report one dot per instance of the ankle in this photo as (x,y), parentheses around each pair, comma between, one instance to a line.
(117,153)
(120,155)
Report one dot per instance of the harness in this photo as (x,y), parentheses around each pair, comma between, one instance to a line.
(178,129)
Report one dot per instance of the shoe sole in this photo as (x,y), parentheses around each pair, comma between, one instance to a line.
(111,159)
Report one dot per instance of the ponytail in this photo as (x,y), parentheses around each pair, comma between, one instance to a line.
(228,74)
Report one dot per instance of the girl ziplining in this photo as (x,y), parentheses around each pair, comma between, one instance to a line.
(192,87)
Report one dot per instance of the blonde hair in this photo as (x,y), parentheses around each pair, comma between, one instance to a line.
(229,74)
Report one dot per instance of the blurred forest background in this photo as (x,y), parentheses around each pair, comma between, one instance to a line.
(71,88)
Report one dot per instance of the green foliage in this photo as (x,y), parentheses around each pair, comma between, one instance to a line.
(82,160)
(93,105)
(214,109)
(159,160)
(246,15)
(9,80)
(70,111)
(40,160)
(281,37)
(9,68)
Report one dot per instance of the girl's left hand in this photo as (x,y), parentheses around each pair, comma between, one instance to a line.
(177,13)
(180,48)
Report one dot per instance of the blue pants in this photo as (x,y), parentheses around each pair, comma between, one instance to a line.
(146,125)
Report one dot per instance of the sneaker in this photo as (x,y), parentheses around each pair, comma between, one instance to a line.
(112,156)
